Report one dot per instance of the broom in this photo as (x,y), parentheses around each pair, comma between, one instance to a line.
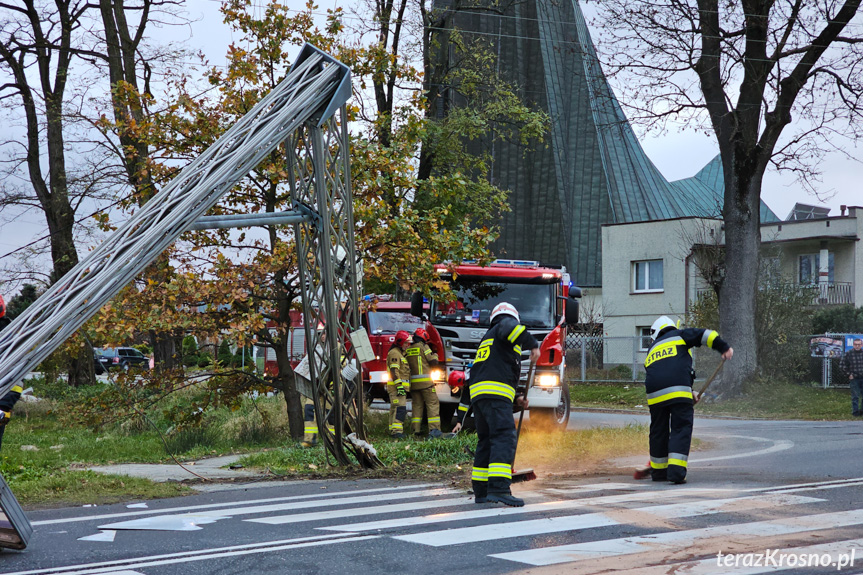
(523,474)
(644,472)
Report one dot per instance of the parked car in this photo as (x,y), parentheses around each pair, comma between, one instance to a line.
(120,358)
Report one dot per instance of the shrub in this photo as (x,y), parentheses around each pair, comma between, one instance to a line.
(783,313)
(204,360)
(144,348)
(622,371)
(838,319)
(224,355)
(190,345)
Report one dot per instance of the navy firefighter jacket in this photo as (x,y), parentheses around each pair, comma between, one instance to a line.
(669,363)
(497,367)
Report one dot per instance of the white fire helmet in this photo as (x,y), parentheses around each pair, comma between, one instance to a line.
(660,324)
(504,308)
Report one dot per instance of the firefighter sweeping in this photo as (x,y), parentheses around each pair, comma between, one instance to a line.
(493,381)
(670,396)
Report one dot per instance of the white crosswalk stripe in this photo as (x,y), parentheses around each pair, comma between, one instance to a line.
(558,505)
(591,520)
(232,512)
(360,511)
(566,504)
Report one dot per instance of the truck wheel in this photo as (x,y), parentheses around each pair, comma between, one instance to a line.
(552,419)
(446,412)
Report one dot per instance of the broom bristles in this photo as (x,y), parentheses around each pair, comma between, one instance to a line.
(523,475)
(642,472)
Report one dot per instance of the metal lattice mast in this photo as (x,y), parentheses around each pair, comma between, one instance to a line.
(320,176)
(299,111)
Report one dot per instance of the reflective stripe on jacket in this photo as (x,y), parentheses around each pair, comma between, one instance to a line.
(397,365)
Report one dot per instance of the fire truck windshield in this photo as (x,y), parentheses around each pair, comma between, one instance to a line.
(476,298)
(391,322)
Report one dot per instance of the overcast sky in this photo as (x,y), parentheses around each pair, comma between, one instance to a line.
(676,154)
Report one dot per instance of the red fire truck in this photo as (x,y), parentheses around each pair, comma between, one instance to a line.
(381,317)
(382,320)
(546,303)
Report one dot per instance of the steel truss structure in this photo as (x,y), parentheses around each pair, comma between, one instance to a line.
(306,112)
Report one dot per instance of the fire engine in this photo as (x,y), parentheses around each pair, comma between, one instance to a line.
(381,317)
(546,302)
(382,320)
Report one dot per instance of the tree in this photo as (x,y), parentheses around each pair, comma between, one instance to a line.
(243,284)
(129,132)
(249,284)
(21,301)
(778,83)
(425,193)
(41,37)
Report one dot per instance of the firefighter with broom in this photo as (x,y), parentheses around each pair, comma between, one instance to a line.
(494,379)
(670,396)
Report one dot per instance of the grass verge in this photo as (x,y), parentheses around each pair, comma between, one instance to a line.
(760,399)
(569,453)
(46,452)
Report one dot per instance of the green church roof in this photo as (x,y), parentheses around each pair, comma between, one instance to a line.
(593,170)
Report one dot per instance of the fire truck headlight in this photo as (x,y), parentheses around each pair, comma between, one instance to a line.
(548,380)
(437,375)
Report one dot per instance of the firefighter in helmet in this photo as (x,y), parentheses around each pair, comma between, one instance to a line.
(670,396)
(400,375)
(421,359)
(8,401)
(494,379)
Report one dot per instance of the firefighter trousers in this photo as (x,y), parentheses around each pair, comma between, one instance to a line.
(670,436)
(398,410)
(310,424)
(422,400)
(495,448)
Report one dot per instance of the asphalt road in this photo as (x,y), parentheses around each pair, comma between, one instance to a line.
(787,488)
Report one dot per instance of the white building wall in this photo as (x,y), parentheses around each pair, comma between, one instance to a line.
(625,310)
(668,240)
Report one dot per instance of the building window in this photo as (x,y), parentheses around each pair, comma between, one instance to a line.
(809,266)
(647,276)
(645,341)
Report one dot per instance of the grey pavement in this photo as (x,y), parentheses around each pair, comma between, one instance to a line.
(212,468)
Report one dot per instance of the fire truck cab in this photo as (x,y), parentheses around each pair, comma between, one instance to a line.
(382,319)
(546,302)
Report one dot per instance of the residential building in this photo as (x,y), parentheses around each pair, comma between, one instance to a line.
(656,268)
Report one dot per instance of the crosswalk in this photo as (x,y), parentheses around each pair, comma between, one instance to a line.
(595,528)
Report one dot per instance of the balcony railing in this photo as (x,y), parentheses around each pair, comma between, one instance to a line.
(834,293)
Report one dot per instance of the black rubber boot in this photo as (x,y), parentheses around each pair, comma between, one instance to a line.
(659,475)
(480,491)
(506,499)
